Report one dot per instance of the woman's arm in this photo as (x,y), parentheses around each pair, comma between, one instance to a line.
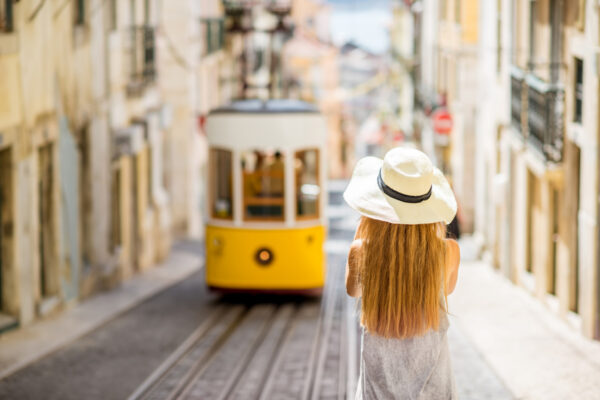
(352,269)
(452,263)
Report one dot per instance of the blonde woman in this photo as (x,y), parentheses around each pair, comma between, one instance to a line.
(403,269)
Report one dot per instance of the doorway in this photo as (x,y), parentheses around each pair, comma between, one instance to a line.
(85,198)
(7,290)
(572,205)
(47,220)
(531,220)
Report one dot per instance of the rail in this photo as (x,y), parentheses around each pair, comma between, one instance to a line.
(537,109)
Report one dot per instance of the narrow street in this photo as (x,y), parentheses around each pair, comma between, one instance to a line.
(191,344)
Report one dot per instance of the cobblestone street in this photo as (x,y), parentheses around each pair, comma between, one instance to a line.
(198,345)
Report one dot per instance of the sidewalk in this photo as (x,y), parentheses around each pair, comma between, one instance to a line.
(22,347)
(534,353)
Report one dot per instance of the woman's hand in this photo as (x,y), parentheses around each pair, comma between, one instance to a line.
(353,287)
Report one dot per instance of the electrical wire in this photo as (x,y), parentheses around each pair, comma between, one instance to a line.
(60,9)
(36,11)
(65,3)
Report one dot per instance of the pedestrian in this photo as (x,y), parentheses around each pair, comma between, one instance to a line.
(402,268)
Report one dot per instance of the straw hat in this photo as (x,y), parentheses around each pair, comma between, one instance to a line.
(403,188)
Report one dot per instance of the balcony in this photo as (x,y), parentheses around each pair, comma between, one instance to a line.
(537,109)
(517,79)
(141,59)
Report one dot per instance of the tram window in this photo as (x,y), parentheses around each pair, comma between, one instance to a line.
(306,168)
(263,175)
(221,175)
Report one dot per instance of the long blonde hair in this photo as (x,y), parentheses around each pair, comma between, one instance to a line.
(402,274)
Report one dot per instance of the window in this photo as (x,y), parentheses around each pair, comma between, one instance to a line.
(264,185)
(499,37)
(79,12)
(221,184)
(6,15)
(146,12)
(213,32)
(532,36)
(578,91)
(115,209)
(306,171)
(580,23)
(113,15)
(443,10)
(457,11)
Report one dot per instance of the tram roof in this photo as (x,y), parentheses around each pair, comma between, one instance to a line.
(273,106)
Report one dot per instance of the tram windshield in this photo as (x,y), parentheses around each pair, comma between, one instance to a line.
(264,183)
(306,167)
(221,185)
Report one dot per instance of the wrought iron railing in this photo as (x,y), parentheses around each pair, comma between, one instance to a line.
(545,117)
(142,58)
(537,109)
(516,98)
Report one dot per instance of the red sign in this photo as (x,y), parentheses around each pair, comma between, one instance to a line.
(442,122)
(201,123)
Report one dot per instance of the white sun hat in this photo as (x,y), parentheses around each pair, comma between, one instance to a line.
(403,188)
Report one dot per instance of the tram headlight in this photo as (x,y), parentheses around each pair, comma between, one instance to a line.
(264,256)
(217,245)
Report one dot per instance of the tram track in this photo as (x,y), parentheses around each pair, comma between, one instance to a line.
(294,350)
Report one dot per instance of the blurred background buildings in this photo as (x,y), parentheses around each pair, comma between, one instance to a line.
(103,105)
(520,79)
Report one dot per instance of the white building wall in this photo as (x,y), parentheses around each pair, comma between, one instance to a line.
(584,45)
(486,123)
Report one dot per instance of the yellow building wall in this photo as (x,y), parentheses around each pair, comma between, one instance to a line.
(470,21)
(36,48)
(10,101)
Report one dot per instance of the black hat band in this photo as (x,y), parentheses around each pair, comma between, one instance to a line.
(401,196)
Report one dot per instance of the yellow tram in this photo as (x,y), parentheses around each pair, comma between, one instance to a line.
(266,219)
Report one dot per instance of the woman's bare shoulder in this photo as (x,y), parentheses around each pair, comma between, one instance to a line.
(355,252)
(452,263)
(453,252)
(352,269)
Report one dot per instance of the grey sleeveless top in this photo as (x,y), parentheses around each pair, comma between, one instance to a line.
(416,368)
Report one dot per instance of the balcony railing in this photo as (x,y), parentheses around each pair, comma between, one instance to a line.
(142,58)
(545,121)
(537,111)
(516,98)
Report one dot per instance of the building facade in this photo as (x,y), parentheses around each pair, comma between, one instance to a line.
(520,79)
(91,141)
(446,38)
(548,158)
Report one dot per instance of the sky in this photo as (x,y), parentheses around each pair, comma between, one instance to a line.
(363,21)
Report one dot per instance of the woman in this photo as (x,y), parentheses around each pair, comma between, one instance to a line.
(402,267)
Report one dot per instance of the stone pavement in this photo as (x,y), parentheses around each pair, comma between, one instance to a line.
(24,346)
(533,352)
